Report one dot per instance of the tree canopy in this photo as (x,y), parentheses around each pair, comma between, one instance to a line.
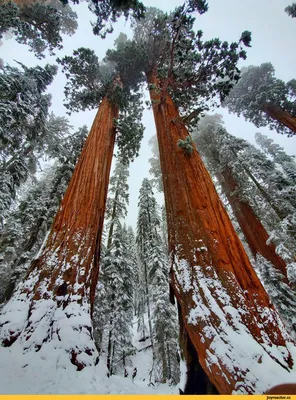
(291,10)
(27,130)
(257,91)
(89,80)
(195,72)
(38,24)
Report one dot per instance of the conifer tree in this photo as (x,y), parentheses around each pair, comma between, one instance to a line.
(26,227)
(146,226)
(108,11)
(60,285)
(27,131)
(38,24)
(114,301)
(155,169)
(200,231)
(279,156)
(291,10)
(118,278)
(118,198)
(226,157)
(154,283)
(163,315)
(133,260)
(264,99)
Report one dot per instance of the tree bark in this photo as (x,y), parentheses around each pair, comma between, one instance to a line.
(197,381)
(61,283)
(253,230)
(281,115)
(222,302)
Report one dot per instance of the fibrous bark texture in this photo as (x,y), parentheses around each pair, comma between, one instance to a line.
(226,312)
(54,303)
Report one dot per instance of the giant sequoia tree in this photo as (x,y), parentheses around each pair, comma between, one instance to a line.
(227,158)
(209,268)
(60,285)
(264,99)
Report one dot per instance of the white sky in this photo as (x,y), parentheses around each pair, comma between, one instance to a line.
(273,40)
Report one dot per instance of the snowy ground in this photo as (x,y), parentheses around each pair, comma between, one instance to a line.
(40,373)
(49,371)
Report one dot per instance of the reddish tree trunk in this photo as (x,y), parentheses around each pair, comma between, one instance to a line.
(253,230)
(281,115)
(225,309)
(64,277)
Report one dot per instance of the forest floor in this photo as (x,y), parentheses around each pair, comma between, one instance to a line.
(36,373)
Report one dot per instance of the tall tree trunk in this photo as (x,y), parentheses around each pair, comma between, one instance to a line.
(169,360)
(281,115)
(112,362)
(60,284)
(110,340)
(197,381)
(164,363)
(226,312)
(109,351)
(149,319)
(253,230)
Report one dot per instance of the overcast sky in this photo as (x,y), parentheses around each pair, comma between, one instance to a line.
(273,40)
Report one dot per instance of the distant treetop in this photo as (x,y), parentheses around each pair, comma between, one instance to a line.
(291,10)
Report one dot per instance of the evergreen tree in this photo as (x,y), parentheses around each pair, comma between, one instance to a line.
(164,315)
(200,231)
(280,293)
(154,285)
(291,10)
(72,250)
(228,158)
(167,42)
(121,86)
(279,156)
(147,222)
(26,227)
(118,278)
(27,131)
(114,301)
(154,161)
(132,257)
(38,24)
(108,11)
(264,99)
(118,198)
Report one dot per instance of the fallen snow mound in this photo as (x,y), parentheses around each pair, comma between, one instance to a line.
(49,373)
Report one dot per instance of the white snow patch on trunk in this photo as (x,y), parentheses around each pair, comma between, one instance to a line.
(231,343)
